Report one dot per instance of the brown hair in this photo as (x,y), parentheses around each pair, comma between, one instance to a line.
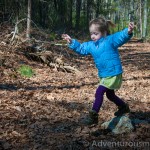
(103,24)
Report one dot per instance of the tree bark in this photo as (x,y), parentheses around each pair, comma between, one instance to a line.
(88,13)
(78,9)
(98,8)
(28,20)
(70,14)
(145,19)
(141,30)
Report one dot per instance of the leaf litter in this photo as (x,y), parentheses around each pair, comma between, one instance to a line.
(45,110)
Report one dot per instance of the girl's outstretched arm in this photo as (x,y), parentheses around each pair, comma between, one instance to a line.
(73,44)
(120,38)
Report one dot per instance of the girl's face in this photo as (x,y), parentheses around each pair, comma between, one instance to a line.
(95,33)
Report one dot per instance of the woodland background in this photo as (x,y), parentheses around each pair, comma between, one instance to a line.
(46,89)
(59,16)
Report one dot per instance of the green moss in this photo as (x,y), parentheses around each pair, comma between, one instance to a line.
(25,71)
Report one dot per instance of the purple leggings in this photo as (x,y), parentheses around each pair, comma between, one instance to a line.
(110,95)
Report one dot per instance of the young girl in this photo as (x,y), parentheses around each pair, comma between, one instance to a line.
(104,49)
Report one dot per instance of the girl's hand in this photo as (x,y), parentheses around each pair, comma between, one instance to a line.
(130,27)
(67,38)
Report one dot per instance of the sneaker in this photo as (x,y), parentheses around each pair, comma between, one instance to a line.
(122,110)
(92,118)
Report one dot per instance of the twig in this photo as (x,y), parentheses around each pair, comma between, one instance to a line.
(16,28)
(59,44)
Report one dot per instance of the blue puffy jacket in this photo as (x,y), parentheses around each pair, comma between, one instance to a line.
(104,52)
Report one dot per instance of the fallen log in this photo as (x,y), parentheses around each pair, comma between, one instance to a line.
(48,58)
(65,68)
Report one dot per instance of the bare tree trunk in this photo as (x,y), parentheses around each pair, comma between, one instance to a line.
(78,9)
(43,11)
(70,13)
(141,27)
(84,14)
(28,20)
(98,8)
(145,19)
(88,13)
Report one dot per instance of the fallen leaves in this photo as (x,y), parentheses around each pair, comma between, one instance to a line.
(46,110)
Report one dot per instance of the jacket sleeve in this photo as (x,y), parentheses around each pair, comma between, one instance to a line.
(120,38)
(79,48)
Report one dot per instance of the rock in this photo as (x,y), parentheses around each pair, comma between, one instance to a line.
(119,125)
(138,121)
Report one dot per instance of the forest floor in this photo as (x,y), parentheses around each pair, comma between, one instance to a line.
(45,111)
